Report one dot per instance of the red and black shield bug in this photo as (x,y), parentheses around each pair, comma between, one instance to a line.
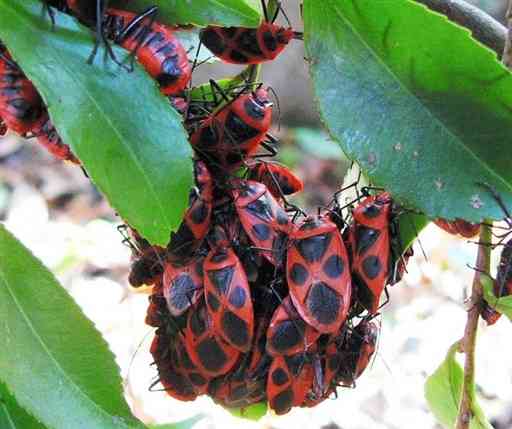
(207,350)
(358,351)
(278,179)
(290,379)
(234,132)
(154,45)
(148,261)
(459,227)
(239,45)
(369,238)
(318,274)
(21,106)
(287,333)
(263,219)
(227,293)
(183,286)
(185,242)
(177,373)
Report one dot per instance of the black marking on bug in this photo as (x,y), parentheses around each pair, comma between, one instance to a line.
(298,274)
(287,335)
(279,377)
(209,136)
(176,382)
(323,303)
(200,212)
(364,294)
(282,402)
(239,131)
(170,71)
(219,256)
(333,266)
(213,302)
(235,329)
(248,42)
(212,40)
(211,355)
(313,248)
(197,323)
(238,57)
(372,266)
(238,393)
(372,211)
(254,109)
(181,291)
(261,209)
(221,279)
(197,379)
(262,231)
(365,238)
(269,40)
(229,32)
(238,297)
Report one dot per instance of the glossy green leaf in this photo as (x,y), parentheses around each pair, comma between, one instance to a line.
(12,416)
(53,360)
(424,108)
(185,424)
(226,13)
(130,141)
(254,412)
(503,304)
(443,392)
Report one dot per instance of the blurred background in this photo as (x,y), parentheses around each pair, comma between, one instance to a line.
(55,211)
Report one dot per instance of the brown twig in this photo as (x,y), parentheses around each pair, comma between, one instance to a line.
(507,50)
(467,344)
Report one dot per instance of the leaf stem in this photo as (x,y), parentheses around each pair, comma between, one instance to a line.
(468,342)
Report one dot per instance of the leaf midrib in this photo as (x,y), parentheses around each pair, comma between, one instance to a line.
(407,91)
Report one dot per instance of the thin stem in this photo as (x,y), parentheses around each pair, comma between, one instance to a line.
(507,51)
(467,344)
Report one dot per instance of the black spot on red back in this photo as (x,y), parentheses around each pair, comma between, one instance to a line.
(238,297)
(313,248)
(237,130)
(365,238)
(253,109)
(333,266)
(235,329)
(221,279)
(298,274)
(211,355)
(323,303)
(181,291)
(269,40)
(279,377)
(282,402)
(287,335)
(212,40)
(212,302)
(372,267)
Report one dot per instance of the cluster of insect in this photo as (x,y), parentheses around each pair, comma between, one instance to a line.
(253,300)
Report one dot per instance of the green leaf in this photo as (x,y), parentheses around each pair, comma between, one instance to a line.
(53,360)
(253,412)
(443,391)
(424,108)
(185,424)
(12,416)
(503,304)
(226,13)
(130,141)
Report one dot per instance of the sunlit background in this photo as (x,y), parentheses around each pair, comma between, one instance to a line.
(53,209)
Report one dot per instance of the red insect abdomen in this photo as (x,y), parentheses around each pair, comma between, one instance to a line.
(160,53)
